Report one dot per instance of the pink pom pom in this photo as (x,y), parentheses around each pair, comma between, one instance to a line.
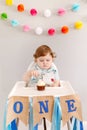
(52,80)
(61,11)
(51,31)
(33,12)
(26,28)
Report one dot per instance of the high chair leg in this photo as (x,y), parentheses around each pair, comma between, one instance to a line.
(44,123)
(68,125)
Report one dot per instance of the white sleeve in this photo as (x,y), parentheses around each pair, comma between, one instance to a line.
(57,72)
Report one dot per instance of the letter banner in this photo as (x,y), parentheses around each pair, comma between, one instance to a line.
(18,107)
(42,107)
(71,107)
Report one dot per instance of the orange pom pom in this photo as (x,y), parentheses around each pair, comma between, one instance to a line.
(20,7)
(64,29)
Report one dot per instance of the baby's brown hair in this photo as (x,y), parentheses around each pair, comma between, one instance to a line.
(43,50)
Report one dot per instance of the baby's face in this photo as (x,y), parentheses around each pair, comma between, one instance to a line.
(44,62)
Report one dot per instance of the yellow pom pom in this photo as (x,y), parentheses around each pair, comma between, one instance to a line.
(78,25)
(9,2)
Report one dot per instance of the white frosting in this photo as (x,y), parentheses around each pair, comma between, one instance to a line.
(41,83)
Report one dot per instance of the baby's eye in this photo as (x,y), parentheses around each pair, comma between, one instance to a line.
(48,60)
(41,60)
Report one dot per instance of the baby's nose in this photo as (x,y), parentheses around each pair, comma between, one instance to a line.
(44,62)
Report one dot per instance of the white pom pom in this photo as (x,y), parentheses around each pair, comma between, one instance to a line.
(38,30)
(47,13)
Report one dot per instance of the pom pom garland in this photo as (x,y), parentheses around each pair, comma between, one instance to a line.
(20,7)
(47,13)
(39,30)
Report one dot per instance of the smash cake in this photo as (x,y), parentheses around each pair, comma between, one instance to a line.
(41,85)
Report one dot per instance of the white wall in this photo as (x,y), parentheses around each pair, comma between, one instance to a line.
(17,47)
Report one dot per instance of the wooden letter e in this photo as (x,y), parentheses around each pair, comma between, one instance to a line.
(71,106)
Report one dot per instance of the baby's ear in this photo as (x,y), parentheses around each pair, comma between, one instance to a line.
(35,59)
(53,59)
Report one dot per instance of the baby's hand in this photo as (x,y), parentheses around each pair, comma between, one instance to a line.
(30,74)
(56,83)
(33,73)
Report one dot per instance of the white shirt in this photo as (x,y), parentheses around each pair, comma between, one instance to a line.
(48,75)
